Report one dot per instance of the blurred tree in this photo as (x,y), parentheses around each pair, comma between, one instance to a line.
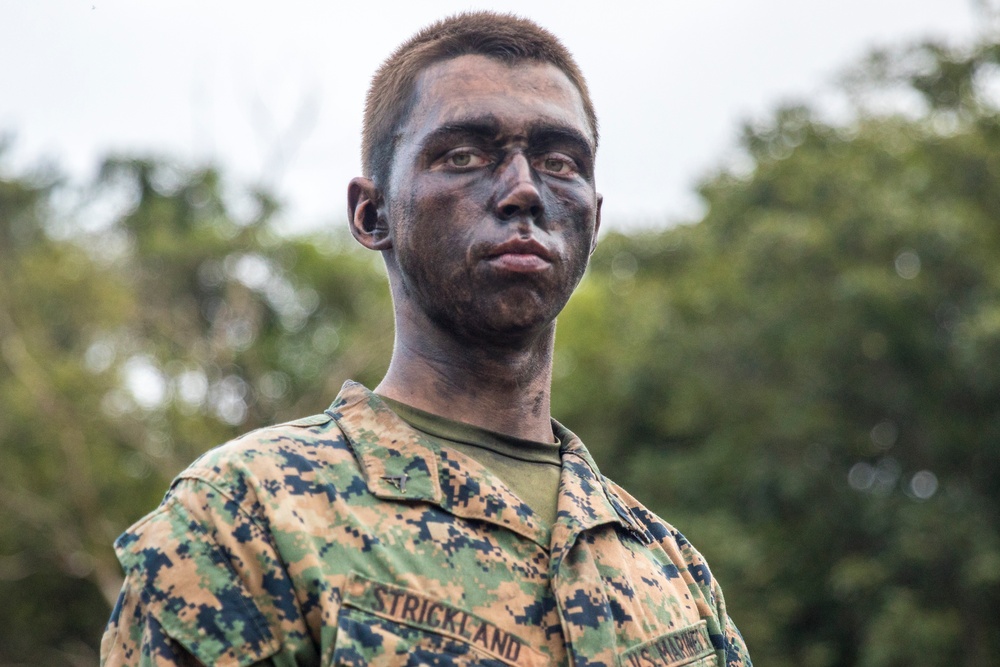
(807,382)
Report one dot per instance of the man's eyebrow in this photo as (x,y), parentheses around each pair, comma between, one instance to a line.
(488,127)
(484,127)
(549,133)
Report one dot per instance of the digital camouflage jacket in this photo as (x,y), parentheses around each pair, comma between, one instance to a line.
(349,538)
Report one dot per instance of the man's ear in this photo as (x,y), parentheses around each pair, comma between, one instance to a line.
(597,224)
(364,215)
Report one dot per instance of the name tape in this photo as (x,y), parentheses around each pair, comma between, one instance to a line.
(676,648)
(418,610)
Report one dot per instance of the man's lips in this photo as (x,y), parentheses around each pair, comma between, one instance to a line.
(520,256)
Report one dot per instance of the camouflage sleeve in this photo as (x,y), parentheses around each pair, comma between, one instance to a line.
(134,638)
(203,586)
(737,654)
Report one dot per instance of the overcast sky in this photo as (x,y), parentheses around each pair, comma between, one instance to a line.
(273,91)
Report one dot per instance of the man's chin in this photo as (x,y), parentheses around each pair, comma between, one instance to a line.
(517,330)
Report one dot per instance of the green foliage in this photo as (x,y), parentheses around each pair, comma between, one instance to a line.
(805,382)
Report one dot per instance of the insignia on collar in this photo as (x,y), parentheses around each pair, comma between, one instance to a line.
(398,481)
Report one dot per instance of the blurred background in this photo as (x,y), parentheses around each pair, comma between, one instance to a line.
(788,343)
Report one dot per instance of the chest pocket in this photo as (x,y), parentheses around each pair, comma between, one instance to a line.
(384,624)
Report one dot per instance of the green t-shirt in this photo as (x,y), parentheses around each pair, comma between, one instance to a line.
(531,469)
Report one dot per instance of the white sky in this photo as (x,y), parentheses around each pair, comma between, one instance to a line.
(273,91)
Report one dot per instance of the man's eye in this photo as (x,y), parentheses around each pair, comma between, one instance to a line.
(559,166)
(465,159)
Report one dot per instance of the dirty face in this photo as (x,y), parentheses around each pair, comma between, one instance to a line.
(491,205)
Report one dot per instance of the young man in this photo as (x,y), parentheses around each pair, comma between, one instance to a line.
(444,518)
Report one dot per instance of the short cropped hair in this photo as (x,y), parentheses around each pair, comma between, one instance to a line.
(504,37)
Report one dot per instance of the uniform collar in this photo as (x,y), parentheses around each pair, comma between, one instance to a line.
(398,463)
(401,463)
(586,497)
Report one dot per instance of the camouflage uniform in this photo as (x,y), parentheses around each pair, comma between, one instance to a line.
(349,538)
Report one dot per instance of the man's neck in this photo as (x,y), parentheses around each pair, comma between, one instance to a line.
(500,387)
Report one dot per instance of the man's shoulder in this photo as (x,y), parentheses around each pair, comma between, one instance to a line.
(297,448)
(252,475)
(658,527)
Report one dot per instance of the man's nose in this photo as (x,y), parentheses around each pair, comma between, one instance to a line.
(519,196)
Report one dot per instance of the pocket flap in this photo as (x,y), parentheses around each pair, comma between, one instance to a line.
(422,613)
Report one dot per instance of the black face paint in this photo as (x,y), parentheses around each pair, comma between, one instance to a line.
(492,203)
